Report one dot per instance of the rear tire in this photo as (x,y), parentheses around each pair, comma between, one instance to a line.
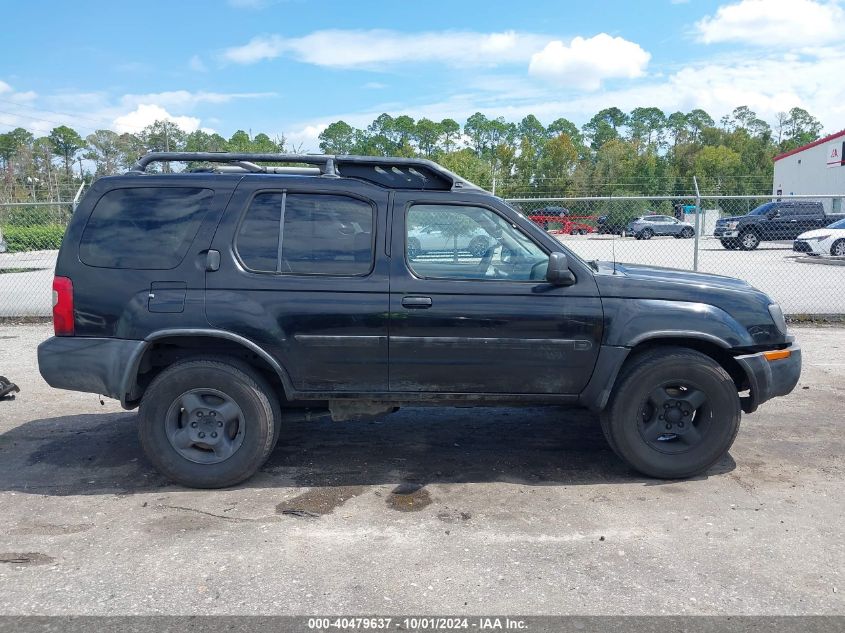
(674,412)
(687,233)
(193,400)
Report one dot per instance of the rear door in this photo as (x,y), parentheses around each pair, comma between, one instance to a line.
(484,322)
(301,274)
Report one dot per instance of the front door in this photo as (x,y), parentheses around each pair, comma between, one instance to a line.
(301,275)
(476,315)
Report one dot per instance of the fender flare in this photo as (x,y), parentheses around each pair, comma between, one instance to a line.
(131,372)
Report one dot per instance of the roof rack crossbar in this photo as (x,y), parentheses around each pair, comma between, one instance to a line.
(326,163)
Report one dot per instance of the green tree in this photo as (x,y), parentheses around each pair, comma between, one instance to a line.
(106,151)
(337,138)
(66,143)
(451,131)
(427,133)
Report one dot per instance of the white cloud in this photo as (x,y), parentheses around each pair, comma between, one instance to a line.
(585,63)
(196,64)
(188,99)
(4,87)
(375,48)
(147,113)
(774,23)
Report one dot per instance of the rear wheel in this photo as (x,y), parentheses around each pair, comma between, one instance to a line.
(687,233)
(838,248)
(749,240)
(673,413)
(208,423)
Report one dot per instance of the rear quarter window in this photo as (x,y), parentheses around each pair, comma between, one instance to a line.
(146,228)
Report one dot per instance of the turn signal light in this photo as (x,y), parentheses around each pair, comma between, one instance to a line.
(777,354)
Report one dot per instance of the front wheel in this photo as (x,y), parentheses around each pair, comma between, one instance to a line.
(645,234)
(208,423)
(674,412)
(729,244)
(749,240)
(838,249)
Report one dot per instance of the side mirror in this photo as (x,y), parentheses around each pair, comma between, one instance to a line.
(558,272)
(771,215)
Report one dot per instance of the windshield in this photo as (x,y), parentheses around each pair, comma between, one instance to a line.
(763,209)
(837,225)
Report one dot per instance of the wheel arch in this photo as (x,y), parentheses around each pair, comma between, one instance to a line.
(165,347)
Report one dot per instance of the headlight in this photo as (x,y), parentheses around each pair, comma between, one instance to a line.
(818,238)
(777,317)
(732,225)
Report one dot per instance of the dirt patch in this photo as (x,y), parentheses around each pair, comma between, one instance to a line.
(26,558)
(408,497)
(318,501)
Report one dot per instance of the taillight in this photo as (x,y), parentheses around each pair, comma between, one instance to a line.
(62,306)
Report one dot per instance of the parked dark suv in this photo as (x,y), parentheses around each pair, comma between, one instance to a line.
(779,220)
(227,299)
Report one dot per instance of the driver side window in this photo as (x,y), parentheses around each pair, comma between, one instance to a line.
(467,242)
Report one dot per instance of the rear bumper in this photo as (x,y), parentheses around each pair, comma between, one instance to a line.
(92,365)
(770,378)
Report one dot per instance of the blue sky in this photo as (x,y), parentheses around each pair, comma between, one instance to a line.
(289,67)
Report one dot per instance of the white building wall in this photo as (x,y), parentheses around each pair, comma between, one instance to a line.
(807,172)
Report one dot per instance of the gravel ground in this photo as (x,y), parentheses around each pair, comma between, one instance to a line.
(450,511)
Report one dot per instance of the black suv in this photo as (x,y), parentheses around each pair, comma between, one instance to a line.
(226,299)
(779,220)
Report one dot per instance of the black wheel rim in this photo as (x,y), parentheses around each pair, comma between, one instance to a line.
(674,418)
(205,426)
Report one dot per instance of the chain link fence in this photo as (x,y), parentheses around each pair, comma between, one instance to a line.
(754,238)
(30,235)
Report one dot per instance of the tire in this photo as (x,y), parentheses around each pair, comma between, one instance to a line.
(730,244)
(837,249)
(478,246)
(645,234)
(414,248)
(748,240)
(687,233)
(699,434)
(213,389)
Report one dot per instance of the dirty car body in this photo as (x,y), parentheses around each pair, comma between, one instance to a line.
(280,291)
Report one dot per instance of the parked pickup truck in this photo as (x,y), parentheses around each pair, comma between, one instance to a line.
(782,220)
(226,300)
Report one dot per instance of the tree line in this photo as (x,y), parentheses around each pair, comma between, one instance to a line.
(644,151)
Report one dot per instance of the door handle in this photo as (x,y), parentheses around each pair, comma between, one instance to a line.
(416,303)
(212,261)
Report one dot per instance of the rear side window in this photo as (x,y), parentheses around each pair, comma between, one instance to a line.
(145,228)
(307,234)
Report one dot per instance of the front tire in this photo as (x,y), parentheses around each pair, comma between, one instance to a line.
(749,240)
(208,423)
(837,249)
(645,234)
(729,244)
(674,412)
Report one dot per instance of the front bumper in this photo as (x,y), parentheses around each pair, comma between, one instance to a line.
(769,379)
(722,232)
(91,365)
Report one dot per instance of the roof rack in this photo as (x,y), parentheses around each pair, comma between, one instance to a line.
(398,173)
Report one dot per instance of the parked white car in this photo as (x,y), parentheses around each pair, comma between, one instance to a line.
(827,241)
(431,238)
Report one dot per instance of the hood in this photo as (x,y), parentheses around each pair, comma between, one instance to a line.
(742,301)
(732,218)
(817,233)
